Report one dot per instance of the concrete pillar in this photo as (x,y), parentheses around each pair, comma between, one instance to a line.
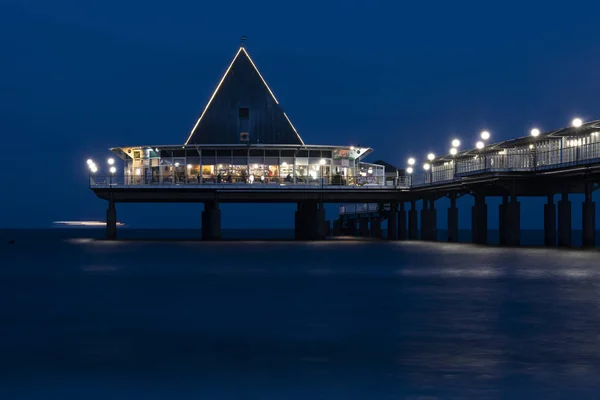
(352,229)
(402,222)
(299,223)
(337,227)
(321,227)
(392,232)
(564,221)
(502,225)
(413,233)
(479,220)
(432,220)
(453,220)
(211,221)
(425,224)
(550,222)
(363,226)
(513,222)
(589,218)
(309,221)
(376,228)
(111,221)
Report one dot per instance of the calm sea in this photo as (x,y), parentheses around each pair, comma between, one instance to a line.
(162,319)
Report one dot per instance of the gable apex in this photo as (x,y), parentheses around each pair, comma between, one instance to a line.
(243,108)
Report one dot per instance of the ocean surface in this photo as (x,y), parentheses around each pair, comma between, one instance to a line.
(82,318)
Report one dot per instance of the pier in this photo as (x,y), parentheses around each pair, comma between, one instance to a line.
(244,149)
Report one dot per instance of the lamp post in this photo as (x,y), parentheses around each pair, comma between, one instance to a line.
(409,171)
(92,169)
(112,171)
(426,167)
(453,151)
(534,133)
(322,162)
(485,135)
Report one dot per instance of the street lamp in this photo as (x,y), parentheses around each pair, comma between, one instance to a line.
(411,161)
(455,143)
(485,135)
(479,145)
(577,122)
(430,156)
(535,132)
(111,161)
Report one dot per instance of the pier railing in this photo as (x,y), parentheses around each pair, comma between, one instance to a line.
(518,160)
(358,208)
(270,183)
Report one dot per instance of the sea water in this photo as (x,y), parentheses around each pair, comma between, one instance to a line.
(82,318)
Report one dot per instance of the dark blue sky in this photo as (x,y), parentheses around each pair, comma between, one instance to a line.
(77,77)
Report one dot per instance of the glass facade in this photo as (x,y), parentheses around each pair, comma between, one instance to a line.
(247,165)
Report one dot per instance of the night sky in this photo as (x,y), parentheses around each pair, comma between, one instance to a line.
(78,77)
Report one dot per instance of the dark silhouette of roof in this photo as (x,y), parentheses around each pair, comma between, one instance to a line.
(388,167)
(243,109)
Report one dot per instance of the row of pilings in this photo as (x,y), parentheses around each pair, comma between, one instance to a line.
(403,220)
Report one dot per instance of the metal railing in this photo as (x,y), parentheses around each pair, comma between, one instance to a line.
(358,208)
(517,160)
(353,182)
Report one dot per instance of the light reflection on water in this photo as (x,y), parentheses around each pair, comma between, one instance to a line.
(293,320)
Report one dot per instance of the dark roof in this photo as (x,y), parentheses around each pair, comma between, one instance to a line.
(388,167)
(243,102)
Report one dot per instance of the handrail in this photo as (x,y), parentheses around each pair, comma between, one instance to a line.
(166,182)
(519,160)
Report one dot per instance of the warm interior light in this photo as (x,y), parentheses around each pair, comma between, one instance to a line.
(411,161)
(284,164)
(176,164)
(322,162)
(577,122)
(189,166)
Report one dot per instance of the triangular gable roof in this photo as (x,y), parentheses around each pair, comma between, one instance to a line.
(243,87)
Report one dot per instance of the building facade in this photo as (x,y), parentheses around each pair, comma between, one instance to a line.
(243,136)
